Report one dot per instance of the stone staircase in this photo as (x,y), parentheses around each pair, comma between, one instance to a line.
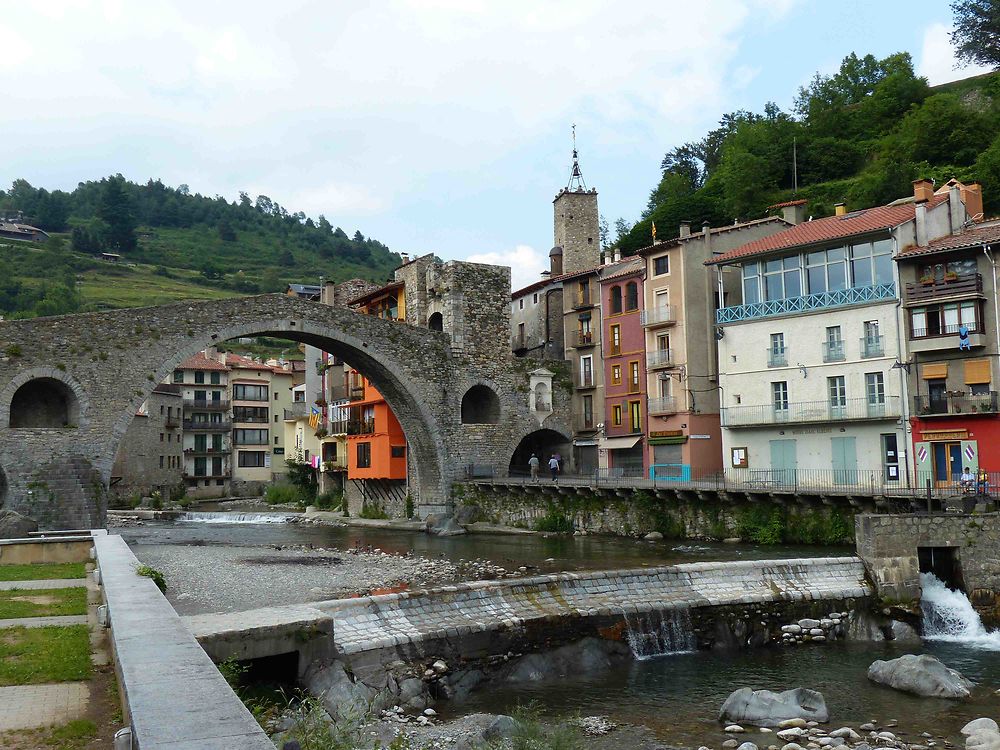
(66,494)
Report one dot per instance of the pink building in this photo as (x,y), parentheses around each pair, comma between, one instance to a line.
(621,447)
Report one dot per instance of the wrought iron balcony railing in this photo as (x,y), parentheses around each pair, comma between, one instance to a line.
(662,405)
(361,427)
(584,338)
(193,426)
(777,357)
(821,301)
(659,358)
(207,404)
(947,405)
(656,316)
(872,346)
(851,409)
(833,351)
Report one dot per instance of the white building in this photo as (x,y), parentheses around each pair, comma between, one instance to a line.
(811,379)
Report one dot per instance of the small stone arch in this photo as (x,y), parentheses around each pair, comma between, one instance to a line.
(44,403)
(436,322)
(544,444)
(480,405)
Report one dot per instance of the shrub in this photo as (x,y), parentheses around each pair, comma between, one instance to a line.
(373,511)
(554,522)
(150,572)
(329,500)
(283,493)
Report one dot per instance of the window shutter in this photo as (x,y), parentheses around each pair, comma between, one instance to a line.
(936,371)
(977,371)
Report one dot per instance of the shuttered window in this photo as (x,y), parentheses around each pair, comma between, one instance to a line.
(977,371)
(936,371)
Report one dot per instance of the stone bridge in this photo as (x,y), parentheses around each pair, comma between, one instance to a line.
(70,386)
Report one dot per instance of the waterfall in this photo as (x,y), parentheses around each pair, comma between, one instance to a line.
(948,616)
(660,634)
(244,518)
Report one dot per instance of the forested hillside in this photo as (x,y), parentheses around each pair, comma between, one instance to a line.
(859,137)
(174,245)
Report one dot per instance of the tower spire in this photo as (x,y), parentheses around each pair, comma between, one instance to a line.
(576,182)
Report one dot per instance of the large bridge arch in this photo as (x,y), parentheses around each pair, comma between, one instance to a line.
(117,358)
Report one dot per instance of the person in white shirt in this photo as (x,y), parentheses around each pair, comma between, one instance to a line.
(966,480)
(554,468)
(533,465)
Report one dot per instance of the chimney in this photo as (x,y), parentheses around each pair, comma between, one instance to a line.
(972,197)
(920,223)
(618,254)
(923,190)
(794,212)
(706,234)
(956,209)
(839,209)
(685,229)
(404,258)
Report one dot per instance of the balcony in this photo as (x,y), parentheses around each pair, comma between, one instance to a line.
(209,450)
(356,393)
(833,351)
(961,286)
(658,316)
(582,300)
(334,464)
(171,422)
(663,405)
(338,427)
(777,357)
(872,346)
(922,340)
(192,426)
(586,380)
(948,405)
(798,412)
(583,339)
(361,427)
(299,410)
(792,305)
(224,474)
(659,358)
(207,404)
(245,419)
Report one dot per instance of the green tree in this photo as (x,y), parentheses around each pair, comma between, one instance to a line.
(115,210)
(271,281)
(943,130)
(976,36)
(226,231)
(987,171)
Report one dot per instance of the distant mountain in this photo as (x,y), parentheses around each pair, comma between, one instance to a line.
(172,245)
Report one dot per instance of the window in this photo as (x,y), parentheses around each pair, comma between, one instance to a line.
(871,263)
(161,437)
(161,462)
(201,466)
(782,278)
(875,388)
(178,376)
(632,296)
(633,377)
(250,437)
(201,442)
(836,388)
(161,410)
(779,396)
(939,320)
(199,377)
(661,265)
(616,299)
(588,411)
(871,344)
(216,378)
(243,392)
(826,270)
(586,371)
(661,303)
(217,442)
(616,415)
(833,347)
(616,339)
(364,453)
(776,356)
(520,333)
(397,451)
(250,459)
(751,283)
(634,416)
(583,293)
(520,304)
(534,298)
(616,374)
(250,414)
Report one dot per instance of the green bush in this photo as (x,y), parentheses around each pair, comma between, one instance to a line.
(373,511)
(283,493)
(554,522)
(329,500)
(761,524)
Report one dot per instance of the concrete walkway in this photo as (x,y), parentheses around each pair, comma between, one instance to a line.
(37,706)
(33,706)
(53,583)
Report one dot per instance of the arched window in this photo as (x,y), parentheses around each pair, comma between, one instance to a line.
(480,405)
(632,296)
(616,299)
(44,402)
(436,322)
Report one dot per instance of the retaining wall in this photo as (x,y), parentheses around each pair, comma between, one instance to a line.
(38,549)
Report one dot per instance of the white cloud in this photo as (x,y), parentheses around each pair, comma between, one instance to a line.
(526,264)
(937,58)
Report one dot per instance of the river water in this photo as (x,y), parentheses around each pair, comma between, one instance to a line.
(678,695)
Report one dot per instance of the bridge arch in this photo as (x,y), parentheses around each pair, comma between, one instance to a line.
(43,398)
(543,443)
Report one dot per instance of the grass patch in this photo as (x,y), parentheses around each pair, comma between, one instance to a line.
(42,603)
(76,735)
(42,572)
(30,656)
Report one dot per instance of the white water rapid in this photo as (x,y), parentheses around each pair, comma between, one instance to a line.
(660,634)
(241,518)
(948,616)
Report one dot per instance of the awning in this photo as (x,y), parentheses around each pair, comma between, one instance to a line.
(584,443)
(621,443)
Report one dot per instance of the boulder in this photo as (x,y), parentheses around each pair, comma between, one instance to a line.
(444,526)
(339,694)
(15,526)
(502,727)
(653,536)
(921,675)
(466,514)
(769,709)
(585,656)
(981,734)
(734,729)
(747,746)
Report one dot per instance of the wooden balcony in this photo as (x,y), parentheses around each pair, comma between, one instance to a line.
(950,287)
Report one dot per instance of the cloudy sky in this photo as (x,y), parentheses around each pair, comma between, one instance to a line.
(431,125)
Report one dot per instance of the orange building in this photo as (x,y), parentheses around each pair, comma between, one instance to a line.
(376,446)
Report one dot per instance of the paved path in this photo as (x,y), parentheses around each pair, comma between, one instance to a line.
(32,706)
(55,583)
(44,622)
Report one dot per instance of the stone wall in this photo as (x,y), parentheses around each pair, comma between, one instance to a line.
(890,547)
(577,229)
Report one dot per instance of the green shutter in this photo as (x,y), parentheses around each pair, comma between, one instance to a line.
(970,454)
(922,463)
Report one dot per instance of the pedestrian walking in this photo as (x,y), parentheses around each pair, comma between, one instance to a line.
(533,463)
(554,467)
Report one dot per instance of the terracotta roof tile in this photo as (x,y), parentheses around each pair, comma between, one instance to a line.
(828,228)
(201,361)
(974,237)
(657,247)
(799,202)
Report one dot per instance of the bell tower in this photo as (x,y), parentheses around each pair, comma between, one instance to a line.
(576,221)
